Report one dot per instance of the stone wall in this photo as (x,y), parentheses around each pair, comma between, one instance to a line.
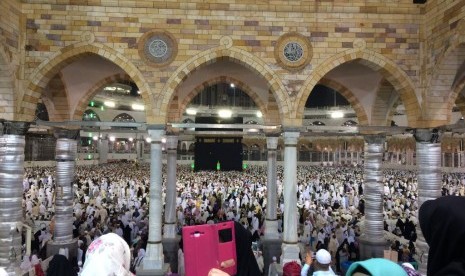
(9,58)
(443,56)
(390,30)
(407,43)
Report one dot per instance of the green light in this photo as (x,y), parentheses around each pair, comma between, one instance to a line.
(90,134)
(244,166)
(89,156)
(218,166)
(92,103)
(192,166)
(101,108)
(89,142)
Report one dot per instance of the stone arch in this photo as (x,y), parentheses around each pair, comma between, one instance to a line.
(55,98)
(236,55)
(391,71)
(51,66)
(84,101)
(460,102)
(442,80)
(350,97)
(175,114)
(123,114)
(385,104)
(97,117)
(6,85)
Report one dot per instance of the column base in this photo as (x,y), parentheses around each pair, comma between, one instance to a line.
(154,259)
(271,247)
(290,253)
(141,271)
(169,231)
(170,251)
(371,249)
(53,247)
(422,251)
(271,230)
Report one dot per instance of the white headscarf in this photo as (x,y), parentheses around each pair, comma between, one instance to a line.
(107,255)
(35,260)
(26,263)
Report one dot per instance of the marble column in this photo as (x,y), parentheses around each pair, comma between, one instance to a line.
(169,228)
(12,144)
(372,241)
(103,150)
(271,222)
(290,248)
(35,150)
(271,242)
(153,263)
(65,156)
(140,149)
(170,238)
(429,181)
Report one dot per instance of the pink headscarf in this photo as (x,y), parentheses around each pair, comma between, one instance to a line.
(107,255)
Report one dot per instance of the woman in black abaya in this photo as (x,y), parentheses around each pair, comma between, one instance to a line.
(442,222)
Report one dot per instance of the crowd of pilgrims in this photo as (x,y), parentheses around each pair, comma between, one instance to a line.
(114,198)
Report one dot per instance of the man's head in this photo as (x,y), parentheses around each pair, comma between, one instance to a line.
(323,259)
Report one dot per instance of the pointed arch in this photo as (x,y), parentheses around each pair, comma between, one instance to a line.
(51,66)
(90,115)
(349,96)
(84,101)
(396,76)
(7,85)
(233,54)
(55,98)
(124,117)
(175,113)
(442,80)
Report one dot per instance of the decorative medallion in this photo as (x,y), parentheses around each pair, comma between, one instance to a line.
(293,51)
(226,41)
(158,48)
(87,36)
(359,44)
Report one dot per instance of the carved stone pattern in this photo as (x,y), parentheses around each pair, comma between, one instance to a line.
(293,51)
(158,48)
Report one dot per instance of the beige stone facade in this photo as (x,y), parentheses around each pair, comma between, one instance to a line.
(378,54)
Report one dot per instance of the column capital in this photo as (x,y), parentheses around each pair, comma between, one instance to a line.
(291,137)
(62,133)
(374,138)
(14,127)
(156,132)
(272,142)
(426,135)
(172,130)
(171,141)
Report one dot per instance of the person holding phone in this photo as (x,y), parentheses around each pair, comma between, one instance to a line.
(318,264)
